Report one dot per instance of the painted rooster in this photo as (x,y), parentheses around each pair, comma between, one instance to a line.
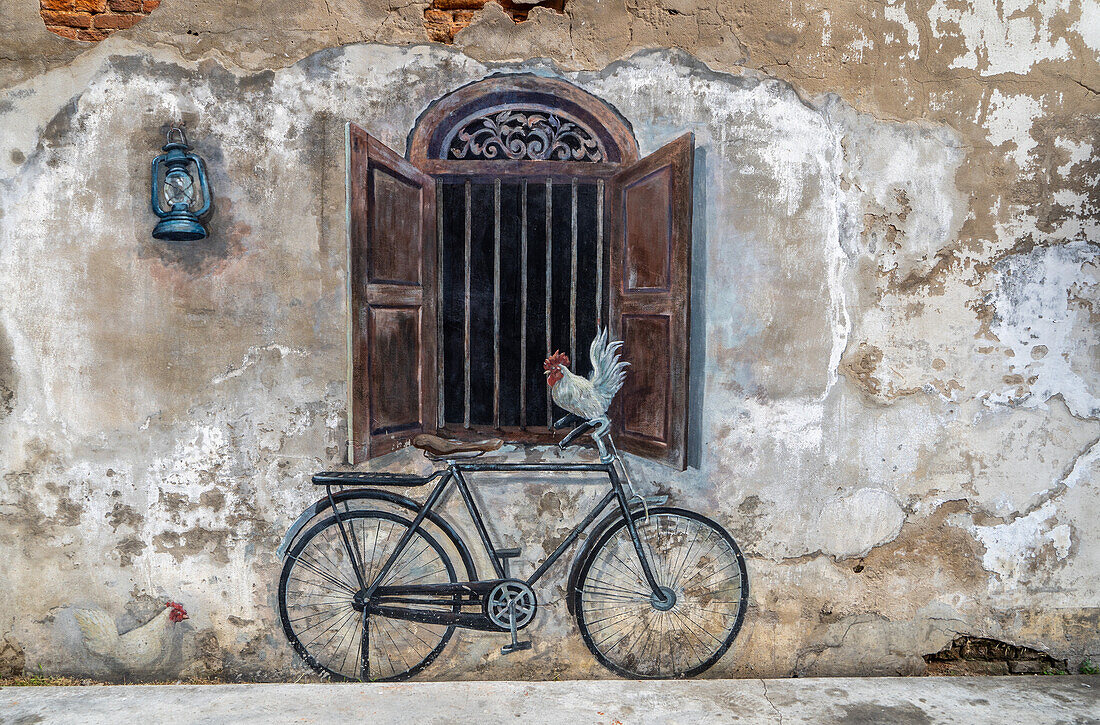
(589,398)
(136,650)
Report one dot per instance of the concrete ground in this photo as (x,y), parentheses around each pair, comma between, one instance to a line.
(897,701)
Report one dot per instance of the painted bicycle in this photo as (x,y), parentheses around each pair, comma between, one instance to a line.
(369,594)
(370,591)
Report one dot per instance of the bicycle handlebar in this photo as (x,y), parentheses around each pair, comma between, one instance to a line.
(575,433)
(567,420)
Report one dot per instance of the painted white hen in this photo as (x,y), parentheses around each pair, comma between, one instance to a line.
(136,650)
(589,398)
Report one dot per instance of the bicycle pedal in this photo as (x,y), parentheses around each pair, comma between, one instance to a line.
(510,648)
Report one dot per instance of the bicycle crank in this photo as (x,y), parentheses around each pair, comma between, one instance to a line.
(511,605)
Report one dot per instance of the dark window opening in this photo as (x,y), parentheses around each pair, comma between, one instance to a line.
(495,308)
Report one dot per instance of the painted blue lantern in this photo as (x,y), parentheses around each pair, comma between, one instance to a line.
(181,193)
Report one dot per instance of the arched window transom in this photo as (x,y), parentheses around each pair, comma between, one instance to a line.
(523,132)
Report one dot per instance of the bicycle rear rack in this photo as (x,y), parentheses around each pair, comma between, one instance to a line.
(375,478)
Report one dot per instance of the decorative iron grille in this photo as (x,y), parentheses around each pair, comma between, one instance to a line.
(531,134)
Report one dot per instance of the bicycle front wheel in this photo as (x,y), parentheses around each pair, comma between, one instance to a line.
(318,590)
(685,631)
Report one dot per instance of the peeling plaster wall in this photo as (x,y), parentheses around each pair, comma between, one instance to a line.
(898,261)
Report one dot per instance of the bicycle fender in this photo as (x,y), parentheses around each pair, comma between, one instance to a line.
(298,525)
(389,497)
(590,541)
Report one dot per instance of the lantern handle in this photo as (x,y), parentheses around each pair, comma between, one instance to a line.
(156,176)
(179,130)
(204,185)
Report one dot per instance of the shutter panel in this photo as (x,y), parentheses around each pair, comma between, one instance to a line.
(391,298)
(650,284)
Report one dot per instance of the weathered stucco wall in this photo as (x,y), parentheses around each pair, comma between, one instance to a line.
(896,276)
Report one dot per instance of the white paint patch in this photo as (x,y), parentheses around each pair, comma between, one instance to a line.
(854,50)
(1085,468)
(1036,304)
(1009,548)
(1009,120)
(205,453)
(1078,151)
(794,425)
(904,173)
(253,356)
(1088,27)
(895,12)
(852,525)
(1002,36)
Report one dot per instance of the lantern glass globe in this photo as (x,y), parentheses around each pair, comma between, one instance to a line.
(179,188)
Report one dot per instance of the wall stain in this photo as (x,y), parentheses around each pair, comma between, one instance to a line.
(8,375)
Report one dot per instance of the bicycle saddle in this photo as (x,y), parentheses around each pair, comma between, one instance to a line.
(438,446)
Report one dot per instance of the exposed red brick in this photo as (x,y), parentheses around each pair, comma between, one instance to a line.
(111,21)
(65,17)
(459,4)
(93,20)
(93,35)
(71,33)
(444,18)
(438,29)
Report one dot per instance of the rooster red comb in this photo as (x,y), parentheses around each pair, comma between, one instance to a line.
(558,358)
(178,613)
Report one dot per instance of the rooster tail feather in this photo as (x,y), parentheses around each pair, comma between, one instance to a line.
(100,632)
(608,371)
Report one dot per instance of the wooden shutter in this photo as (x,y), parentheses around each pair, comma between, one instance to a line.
(391,298)
(650,284)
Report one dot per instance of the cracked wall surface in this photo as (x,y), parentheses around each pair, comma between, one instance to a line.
(896,217)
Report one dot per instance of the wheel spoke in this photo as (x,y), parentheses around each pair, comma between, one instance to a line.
(343,641)
(640,635)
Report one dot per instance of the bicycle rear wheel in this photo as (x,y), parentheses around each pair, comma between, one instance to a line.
(318,588)
(701,573)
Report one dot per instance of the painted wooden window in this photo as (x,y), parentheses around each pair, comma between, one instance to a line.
(521,222)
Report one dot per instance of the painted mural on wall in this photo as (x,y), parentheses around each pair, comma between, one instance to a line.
(137,650)
(456,285)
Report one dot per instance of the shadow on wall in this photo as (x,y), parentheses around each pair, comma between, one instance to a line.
(228,235)
(697,354)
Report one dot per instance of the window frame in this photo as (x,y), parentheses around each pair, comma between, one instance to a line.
(426,151)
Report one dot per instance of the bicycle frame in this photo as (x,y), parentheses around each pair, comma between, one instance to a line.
(373,594)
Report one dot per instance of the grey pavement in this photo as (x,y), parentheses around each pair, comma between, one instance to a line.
(855,701)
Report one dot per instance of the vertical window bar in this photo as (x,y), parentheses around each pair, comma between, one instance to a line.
(439,301)
(523,305)
(573,275)
(496,303)
(466,328)
(599,254)
(549,283)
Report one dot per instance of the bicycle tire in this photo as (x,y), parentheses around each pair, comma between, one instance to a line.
(615,609)
(334,586)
